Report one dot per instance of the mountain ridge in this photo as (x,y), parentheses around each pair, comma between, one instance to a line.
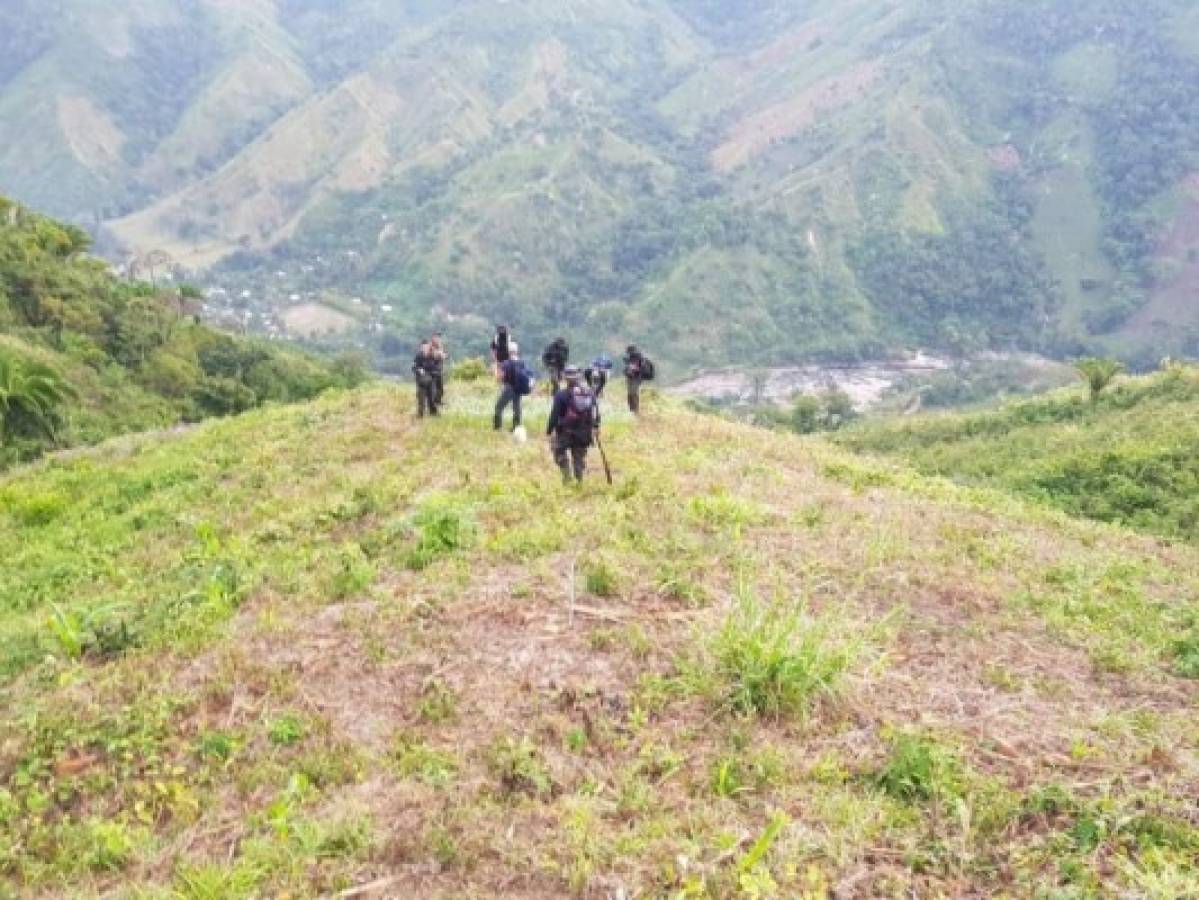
(482,133)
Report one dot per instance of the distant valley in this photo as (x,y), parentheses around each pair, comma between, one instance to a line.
(771,184)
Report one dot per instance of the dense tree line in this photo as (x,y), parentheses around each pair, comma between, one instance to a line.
(1146,125)
(62,313)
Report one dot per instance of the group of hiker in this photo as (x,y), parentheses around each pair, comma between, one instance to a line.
(429,370)
(574,422)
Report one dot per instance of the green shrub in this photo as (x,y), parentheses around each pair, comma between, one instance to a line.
(32,399)
(36,510)
(441,527)
(1186,656)
(470,370)
(919,769)
(286,730)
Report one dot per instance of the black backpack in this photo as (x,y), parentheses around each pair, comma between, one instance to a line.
(647,369)
(579,418)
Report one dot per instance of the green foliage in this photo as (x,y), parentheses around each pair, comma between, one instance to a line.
(32,401)
(286,730)
(442,526)
(829,411)
(1126,456)
(777,660)
(919,769)
(414,759)
(601,578)
(84,355)
(471,370)
(980,283)
(1097,374)
(518,767)
(1186,656)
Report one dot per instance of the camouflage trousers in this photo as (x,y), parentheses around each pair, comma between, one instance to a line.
(571,457)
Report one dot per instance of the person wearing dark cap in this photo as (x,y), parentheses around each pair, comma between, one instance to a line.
(423,366)
(573,424)
(634,373)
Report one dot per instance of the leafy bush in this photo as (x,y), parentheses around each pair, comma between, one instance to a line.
(286,730)
(601,578)
(824,412)
(441,527)
(414,759)
(919,769)
(470,370)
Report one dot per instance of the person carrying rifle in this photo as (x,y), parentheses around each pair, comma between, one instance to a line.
(423,366)
(573,425)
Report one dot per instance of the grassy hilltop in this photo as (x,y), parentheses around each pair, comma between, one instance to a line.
(324,646)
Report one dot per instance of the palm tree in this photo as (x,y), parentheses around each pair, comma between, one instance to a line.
(1097,373)
(31,398)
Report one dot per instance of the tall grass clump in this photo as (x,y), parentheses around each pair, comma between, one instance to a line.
(776,660)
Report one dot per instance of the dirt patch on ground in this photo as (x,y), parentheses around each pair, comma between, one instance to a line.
(758,132)
(91,134)
(315,319)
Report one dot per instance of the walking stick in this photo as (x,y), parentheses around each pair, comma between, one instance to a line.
(604,458)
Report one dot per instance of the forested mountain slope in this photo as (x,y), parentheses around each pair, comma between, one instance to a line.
(762,182)
(326,648)
(1128,456)
(84,355)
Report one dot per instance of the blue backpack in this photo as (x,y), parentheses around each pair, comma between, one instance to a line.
(523,379)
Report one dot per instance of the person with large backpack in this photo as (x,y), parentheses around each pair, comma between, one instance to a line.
(573,425)
(423,366)
(638,368)
(555,358)
(516,382)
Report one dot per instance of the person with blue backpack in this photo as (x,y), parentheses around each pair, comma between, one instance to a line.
(573,425)
(516,382)
(596,375)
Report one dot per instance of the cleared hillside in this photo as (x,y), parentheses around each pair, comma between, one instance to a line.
(326,646)
(1132,457)
(754,186)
